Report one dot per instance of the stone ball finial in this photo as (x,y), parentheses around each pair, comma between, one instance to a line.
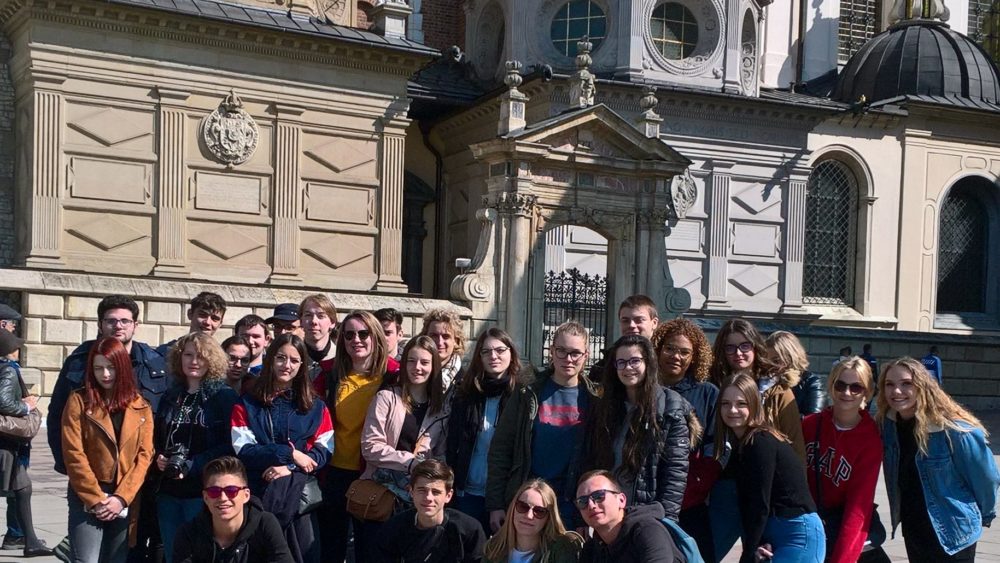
(583,48)
(513,78)
(648,100)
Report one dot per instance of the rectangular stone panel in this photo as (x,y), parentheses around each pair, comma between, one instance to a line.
(228,192)
(91,178)
(685,236)
(755,240)
(338,204)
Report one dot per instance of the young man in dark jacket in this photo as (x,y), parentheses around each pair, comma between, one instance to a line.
(234,528)
(621,535)
(429,532)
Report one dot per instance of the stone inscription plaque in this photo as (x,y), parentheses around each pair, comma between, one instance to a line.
(227,192)
(107,180)
(340,205)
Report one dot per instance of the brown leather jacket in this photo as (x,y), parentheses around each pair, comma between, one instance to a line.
(93,455)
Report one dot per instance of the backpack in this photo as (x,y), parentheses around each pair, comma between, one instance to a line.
(685,543)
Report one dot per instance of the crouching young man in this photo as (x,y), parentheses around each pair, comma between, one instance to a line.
(234,526)
(622,534)
(430,532)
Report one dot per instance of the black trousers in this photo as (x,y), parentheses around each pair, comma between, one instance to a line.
(334,520)
(696,523)
(922,545)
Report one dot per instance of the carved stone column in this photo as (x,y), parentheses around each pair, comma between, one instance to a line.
(287,207)
(390,238)
(518,210)
(42,174)
(171,222)
(795,238)
(651,258)
(718,249)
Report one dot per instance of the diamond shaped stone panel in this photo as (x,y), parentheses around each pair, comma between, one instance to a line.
(336,252)
(753,280)
(757,199)
(226,242)
(110,127)
(339,155)
(107,232)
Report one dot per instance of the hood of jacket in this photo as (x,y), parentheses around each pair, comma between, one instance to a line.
(634,517)
(252,513)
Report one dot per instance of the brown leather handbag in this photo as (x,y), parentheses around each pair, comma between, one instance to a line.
(368,500)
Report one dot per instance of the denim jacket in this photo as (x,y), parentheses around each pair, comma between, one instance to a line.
(959,477)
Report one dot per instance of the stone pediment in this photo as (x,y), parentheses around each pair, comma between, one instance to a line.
(596,132)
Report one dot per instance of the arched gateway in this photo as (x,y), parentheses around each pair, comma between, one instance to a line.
(587,166)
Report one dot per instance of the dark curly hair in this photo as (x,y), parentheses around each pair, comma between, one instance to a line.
(701,361)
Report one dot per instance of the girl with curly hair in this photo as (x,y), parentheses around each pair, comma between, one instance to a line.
(684,358)
(191,428)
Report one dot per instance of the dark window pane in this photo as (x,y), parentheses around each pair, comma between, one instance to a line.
(578,9)
(597,26)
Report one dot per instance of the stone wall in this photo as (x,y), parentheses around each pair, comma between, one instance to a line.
(60,311)
(7,142)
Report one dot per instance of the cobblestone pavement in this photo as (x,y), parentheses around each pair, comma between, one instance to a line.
(49,503)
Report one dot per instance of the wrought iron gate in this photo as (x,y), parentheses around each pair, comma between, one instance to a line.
(570,295)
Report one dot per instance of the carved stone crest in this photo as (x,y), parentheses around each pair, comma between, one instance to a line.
(229,132)
(683,193)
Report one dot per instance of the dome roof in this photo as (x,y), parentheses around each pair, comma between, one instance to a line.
(919,57)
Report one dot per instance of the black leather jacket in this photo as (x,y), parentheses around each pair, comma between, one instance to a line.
(663,477)
(810,393)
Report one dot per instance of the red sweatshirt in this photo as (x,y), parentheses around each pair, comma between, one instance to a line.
(849,462)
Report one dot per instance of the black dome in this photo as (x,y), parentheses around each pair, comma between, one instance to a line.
(919,58)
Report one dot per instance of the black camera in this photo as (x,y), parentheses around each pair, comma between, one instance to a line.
(177,456)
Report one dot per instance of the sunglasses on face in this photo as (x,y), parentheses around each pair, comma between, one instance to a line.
(745,347)
(240,361)
(856,388)
(361,334)
(524,508)
(596,496)
(216,492)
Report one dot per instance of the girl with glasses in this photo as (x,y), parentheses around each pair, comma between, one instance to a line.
(282,432)
(405,424)
(478,402)
(107,444)
(638,429)
(843,454)
(776,510)
(533,531)
(939,472)
(191,429)
(739,349)
(235,528)
(359,371)
(684,357)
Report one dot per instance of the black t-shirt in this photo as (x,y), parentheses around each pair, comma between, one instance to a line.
(912,506)
(459,539)
(410,431)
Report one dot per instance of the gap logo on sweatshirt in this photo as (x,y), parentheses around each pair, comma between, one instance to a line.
(838,474)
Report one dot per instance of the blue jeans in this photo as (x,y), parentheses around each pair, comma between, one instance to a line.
(724,516)
(475,506)
(795,540)
(92,539)
(13,528)
(173,512)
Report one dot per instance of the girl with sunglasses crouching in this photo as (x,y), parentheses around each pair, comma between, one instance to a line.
(843,454)
(533,532)
(233,528)
(776,510)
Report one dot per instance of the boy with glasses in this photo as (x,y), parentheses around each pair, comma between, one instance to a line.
(622,534)
(235,526)
(238,361)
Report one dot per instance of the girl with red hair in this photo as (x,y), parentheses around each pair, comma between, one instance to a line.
(107,442)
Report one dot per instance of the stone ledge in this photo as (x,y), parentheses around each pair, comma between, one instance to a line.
(59,284)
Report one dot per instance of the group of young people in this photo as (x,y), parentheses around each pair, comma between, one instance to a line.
(304,437)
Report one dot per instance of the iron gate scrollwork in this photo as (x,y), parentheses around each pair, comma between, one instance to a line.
(570,295)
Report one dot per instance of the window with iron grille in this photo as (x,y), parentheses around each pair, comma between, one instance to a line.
(984,25)
(859,22)
(831,219)
(962,253)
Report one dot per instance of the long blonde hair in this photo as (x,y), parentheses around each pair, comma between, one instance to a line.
(504,541)
(934,406)
(786,351)
(860,366)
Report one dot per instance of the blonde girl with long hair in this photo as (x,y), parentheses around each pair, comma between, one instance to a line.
(787,352)
(533,531)
(937,452)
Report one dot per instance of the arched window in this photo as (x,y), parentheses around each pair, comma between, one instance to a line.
(962,257)
(831,223)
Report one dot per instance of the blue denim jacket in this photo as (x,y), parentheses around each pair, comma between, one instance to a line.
(959,477)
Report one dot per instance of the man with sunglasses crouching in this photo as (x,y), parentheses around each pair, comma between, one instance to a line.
(622,534)
(234,528)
